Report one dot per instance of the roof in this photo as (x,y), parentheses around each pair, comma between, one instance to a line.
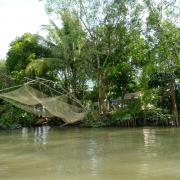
(129,96)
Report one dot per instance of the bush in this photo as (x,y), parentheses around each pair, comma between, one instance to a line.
(93,120)
(13,118)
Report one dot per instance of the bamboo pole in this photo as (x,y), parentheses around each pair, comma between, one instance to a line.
(67,93)
(17,86)
(38,80)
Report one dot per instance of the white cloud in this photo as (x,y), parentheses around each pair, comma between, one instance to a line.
(18,17)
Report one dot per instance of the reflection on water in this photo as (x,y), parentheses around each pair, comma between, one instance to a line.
(24,133)
(41,135)
(92,152)
(149,138)
(84,154)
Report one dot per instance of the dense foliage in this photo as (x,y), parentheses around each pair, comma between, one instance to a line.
(120,58)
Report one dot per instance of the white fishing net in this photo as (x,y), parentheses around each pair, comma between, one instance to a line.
(34,101)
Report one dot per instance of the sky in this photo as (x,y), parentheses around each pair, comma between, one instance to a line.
(18,17)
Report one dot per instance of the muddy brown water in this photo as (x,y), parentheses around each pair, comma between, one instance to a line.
(48,153)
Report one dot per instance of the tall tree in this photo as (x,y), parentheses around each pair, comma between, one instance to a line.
(163,48)
(67,44)
(23,50)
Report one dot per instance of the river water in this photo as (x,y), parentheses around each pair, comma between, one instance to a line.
(47,153)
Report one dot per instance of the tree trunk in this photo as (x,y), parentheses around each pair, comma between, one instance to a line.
(101,92)
(173,100)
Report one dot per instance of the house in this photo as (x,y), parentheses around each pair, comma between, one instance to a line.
(127,97)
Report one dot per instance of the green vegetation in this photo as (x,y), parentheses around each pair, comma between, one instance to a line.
(121,59)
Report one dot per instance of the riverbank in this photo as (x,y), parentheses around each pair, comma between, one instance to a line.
(14,118)
(100,123)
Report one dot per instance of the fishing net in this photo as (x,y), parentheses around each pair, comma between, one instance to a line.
(42,104)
